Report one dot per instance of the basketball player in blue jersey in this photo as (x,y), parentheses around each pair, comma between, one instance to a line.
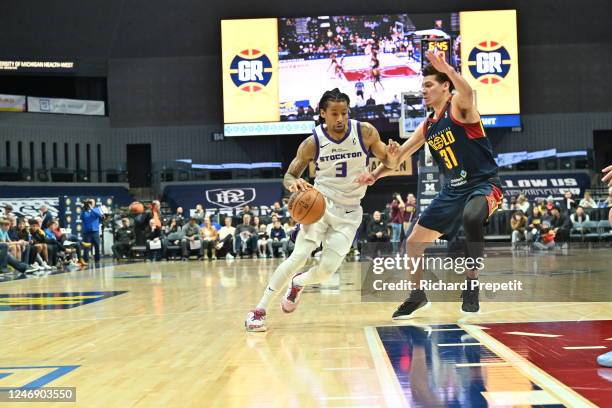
(340,148)
(471,192)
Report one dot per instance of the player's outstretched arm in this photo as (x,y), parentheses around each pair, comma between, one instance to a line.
(463,100)
(305,154)
(387,154)
(406,150)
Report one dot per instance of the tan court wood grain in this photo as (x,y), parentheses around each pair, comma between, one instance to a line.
(176,339)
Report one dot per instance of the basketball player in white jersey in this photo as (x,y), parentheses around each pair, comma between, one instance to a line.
(339,147)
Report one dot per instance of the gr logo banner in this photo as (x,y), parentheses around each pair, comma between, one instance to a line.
(231,198)
(489,60)
(249,51)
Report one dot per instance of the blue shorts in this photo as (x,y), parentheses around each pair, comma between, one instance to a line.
(445,213)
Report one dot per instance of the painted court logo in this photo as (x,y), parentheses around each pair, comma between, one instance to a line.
(251,70)
(489,62)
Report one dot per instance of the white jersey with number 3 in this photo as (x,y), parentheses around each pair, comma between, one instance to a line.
(338,163)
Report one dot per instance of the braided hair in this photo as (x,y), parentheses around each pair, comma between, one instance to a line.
(332,96)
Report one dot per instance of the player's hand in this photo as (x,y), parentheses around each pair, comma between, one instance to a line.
(393,149)
(299,185)
(365,179)
(607,175)
(439,62)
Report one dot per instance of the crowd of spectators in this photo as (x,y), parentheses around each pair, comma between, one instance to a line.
(546,223)
(198,236)
(36,243)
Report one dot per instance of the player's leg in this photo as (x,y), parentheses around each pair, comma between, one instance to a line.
(416,243)
(334,251)
(475,214)
(304,245)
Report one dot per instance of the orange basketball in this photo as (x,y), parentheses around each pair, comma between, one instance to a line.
(136,207)
(307,207)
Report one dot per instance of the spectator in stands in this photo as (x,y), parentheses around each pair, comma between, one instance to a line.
(278,210)
(7,259)
(29,252)
(225,246)
(13,248)
(285,206)
(209,235)
(567,205)
(523,204)
(124,239)
(546,240)
(23,245)
(199,214)
(518,223)
(154,241)
(179,218)
(246,237)
(91,217)
(541,204)
(191,239)
(270,225)
(578,218)
(370,101)
(587,201)
(396,220)
(262,242)
(46,217)
(246,210)
(561,225)
(277,239)
(550,204)
(8,210)
(409,214)
(43,254)
(256,222)
(376,229)
(534,222)
(172,235)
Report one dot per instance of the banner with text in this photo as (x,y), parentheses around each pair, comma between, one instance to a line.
(223,195)
(68,106)
(12,103)
(534,185)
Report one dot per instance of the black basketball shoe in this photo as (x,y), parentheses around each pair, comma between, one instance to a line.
(416,301)
(470,298)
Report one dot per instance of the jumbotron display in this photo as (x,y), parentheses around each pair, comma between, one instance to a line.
(275,70)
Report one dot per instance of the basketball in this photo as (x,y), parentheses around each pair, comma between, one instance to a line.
(307,207)
(136,207)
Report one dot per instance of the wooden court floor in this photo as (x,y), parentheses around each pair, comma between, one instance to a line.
(171,334)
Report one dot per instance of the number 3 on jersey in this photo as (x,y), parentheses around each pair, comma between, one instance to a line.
(449,157)
(341,169)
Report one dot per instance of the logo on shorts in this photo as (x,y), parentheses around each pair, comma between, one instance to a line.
(489,62)
(463,174)
(231,198)
(251,70)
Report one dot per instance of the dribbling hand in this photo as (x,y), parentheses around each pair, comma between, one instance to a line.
(365,179)
(299,185)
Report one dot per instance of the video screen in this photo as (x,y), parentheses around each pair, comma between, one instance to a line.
(373,59)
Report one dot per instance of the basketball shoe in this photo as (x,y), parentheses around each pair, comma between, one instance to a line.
(470,298)
(256,321)
(417,301)
(292,298)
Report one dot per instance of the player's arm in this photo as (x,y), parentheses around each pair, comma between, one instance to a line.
(387,154)
(305,154)
(407,149)
(463,100)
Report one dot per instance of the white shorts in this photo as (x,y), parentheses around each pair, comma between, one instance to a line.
(336,229)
